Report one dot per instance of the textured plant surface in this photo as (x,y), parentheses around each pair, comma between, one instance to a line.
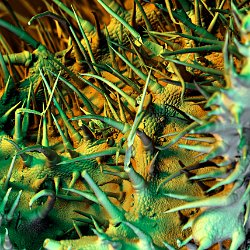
(130,132)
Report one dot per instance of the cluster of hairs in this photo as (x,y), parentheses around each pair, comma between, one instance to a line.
(65,147)
(225,213)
